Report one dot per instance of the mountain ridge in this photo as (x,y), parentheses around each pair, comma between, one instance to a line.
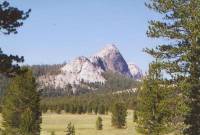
(90,69)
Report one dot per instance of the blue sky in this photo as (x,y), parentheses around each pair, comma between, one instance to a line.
(60,30)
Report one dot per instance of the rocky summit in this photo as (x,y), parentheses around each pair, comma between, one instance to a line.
(109,58)
(90,69)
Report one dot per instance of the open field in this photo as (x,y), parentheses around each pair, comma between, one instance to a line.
(84,124)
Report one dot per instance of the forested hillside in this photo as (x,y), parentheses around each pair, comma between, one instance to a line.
(114,82)
(88,103)
(40,70)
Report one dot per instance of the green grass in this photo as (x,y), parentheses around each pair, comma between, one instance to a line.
(84,124)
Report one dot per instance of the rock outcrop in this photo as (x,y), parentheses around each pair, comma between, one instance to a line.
(90,69)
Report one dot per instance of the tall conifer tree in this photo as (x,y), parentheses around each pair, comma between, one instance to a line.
(70,129)
(153,103)
(180,57)
(21,108)
(11,18)
(119,114)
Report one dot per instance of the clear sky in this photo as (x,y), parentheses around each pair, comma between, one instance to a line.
(60,30)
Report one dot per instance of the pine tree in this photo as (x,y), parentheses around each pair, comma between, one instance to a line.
(70,129)
(66,108)
(180,57)
(135,116)
(4,81)
(99,125)
(11,19)
(153,103)
(96,109)
(21,108)
(58,110)
(80,109)
(89,108)
(101,109)
(119,113)
(52,133)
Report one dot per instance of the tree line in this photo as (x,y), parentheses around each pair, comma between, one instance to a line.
(88,103)
(114,82)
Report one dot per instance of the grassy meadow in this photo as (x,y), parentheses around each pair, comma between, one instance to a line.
(84,124)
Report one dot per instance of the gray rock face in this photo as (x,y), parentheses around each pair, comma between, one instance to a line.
(135,71)
(97,61)
(110,59)
(91,69)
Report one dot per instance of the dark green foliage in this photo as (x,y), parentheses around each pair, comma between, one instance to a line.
(99,124)
(180,56)
(119,113)
(80,109)
(135,116)
(7,67)
(89,108)
(73,108)
(27,123)
(115,82)
(58,110)
(40,70)
(153,104)
(67,108)
(3,84)
(10,19)
(90,103)
(2,132)
(21,107)
(4,81)
(70,129)
(44,109)
(52,133)
(101,109)
(96,109)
